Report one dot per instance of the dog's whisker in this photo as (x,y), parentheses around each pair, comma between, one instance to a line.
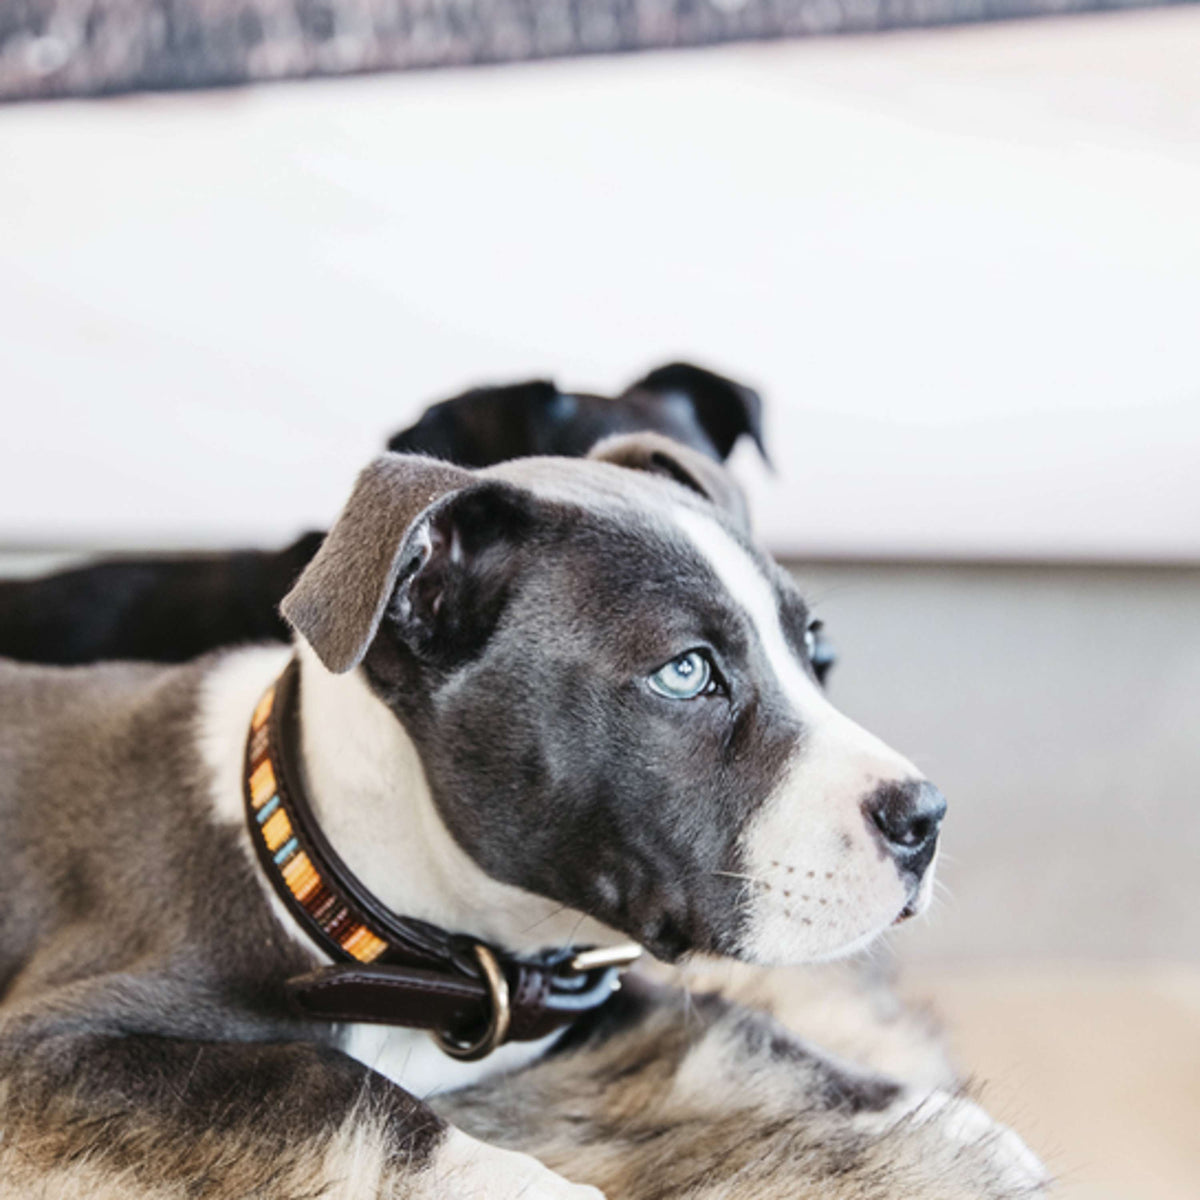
(737,875)
(747,892)
(942,891)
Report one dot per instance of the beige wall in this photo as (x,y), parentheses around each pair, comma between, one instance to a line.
(1059,710)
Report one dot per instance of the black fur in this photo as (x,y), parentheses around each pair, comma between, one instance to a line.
(493,424)
(723,409)
(168,609)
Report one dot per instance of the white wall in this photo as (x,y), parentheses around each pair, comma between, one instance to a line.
(963,265)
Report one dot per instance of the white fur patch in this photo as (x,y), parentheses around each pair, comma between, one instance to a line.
(370,794)
(752,591)
(411,1059)
(228,697)
(818,883)
(964,1122)
(467,1169)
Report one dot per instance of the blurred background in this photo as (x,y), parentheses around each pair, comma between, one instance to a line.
(962,264)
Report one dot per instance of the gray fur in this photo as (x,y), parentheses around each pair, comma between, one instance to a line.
(142,1018)
(658,455)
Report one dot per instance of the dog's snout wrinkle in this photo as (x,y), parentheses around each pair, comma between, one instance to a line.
(907,817)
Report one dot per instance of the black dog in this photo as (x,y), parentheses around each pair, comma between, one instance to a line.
(494,424)
(173,608)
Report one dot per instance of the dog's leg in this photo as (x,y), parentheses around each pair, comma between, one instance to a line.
(712,1101)
(149,1118)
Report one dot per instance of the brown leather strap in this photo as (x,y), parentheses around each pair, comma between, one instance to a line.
(389,969)
(456,1005)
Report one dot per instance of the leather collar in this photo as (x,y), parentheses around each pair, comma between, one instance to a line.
(389,969)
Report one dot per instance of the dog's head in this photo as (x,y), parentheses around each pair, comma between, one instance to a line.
(613,696)
(488,425)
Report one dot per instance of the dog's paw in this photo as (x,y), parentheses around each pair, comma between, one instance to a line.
(964,1123)
(467,1169)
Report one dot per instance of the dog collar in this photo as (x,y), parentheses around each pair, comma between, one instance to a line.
(389,969)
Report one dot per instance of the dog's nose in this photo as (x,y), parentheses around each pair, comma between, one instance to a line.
(908,815)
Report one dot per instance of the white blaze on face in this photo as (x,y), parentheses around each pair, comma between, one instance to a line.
(820,883)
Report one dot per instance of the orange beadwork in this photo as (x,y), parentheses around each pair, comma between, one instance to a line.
(262,783)
(363,944)
(296,868)
(276,830)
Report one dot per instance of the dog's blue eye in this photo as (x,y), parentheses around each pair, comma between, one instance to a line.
(683,678)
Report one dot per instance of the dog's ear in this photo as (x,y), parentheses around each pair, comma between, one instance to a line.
(662,456)
(413,528)
(446,606)
(722,408)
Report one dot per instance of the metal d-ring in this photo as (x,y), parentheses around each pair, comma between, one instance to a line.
(498,1020)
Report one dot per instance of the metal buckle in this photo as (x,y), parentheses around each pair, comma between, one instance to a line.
(602,958)
(501,1015)
(622,956)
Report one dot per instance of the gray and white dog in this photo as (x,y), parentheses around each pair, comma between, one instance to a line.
(552,702)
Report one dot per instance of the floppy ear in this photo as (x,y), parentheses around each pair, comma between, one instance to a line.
(662,456)
(339,599)
(723,409)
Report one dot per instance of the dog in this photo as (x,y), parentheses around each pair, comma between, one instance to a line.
(172,608)
(533,713)
(689,404)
